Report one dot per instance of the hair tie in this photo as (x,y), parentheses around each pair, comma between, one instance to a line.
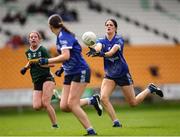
(60,24)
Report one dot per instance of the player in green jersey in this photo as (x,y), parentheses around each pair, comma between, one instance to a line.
(41,76)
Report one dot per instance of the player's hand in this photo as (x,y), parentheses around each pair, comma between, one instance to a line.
(23,70)
(59,71)
(43,61)
(94,53)
(91,52)
(99,54)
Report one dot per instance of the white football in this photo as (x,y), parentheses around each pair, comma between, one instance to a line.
(89,38)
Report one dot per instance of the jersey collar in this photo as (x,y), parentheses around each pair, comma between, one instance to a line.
(110,40)
(34,49)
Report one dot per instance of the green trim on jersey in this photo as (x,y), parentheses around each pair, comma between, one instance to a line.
(37,72)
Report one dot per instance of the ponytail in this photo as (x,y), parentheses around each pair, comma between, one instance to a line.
(56,22)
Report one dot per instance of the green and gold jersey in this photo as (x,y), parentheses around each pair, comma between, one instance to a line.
(37,72)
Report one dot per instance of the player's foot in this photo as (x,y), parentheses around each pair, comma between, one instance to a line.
(56,94)
(155,89)
(117,125)
(90,134)
(55,126)
(96,103)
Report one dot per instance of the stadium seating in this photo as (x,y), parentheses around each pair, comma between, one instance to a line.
(140,25)
(134,11)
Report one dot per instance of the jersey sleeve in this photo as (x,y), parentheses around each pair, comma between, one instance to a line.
(66,41)
(120,41)
(99,40)
(26,54)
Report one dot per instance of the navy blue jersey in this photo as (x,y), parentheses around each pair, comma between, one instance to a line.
(116,65)
(76,63)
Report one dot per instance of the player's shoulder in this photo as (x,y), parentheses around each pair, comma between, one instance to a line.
(64,37)
(119,39)
(118,36)
(101,38)
(27,50)
(42,48)
(64,34)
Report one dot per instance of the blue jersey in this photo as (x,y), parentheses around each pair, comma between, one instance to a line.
(116,65)
(76,63)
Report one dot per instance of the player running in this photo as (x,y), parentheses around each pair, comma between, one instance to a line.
(116,70)
(41,77)
(77,73)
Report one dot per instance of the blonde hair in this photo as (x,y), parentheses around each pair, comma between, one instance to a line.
(38,34)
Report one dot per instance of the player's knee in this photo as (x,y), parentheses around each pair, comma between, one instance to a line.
(64,108)
(37,107)
(45,104)
(104,100)
(70,104)
(132,103)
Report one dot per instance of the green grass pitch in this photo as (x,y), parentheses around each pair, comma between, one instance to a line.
(144,120)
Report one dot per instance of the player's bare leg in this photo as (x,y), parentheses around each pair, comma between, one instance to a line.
(133,100)
(48,87)
(94,100)
(107,88)
(75,94)
(37,99)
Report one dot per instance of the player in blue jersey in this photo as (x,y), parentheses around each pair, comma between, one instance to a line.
(76,73)
(116,70)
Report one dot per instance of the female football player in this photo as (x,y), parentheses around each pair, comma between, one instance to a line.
(116,70)
(42,79)
(77,72)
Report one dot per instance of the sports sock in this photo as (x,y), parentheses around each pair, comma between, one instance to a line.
(116,122)
(91,101)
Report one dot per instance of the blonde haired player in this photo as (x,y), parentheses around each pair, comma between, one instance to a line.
(41,77)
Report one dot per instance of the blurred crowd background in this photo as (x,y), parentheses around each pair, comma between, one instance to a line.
(151,29)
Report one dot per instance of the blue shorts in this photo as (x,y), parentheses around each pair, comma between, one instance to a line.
(83,77)
(123,80)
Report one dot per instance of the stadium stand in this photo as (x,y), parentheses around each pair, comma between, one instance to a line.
(138,22)
(145,18)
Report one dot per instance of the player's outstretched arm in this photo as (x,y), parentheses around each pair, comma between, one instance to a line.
(114,49)
(48,65)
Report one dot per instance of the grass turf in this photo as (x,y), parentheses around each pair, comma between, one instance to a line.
(144,120)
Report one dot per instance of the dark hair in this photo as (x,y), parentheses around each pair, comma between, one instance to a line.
(114,22)
(56,22)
